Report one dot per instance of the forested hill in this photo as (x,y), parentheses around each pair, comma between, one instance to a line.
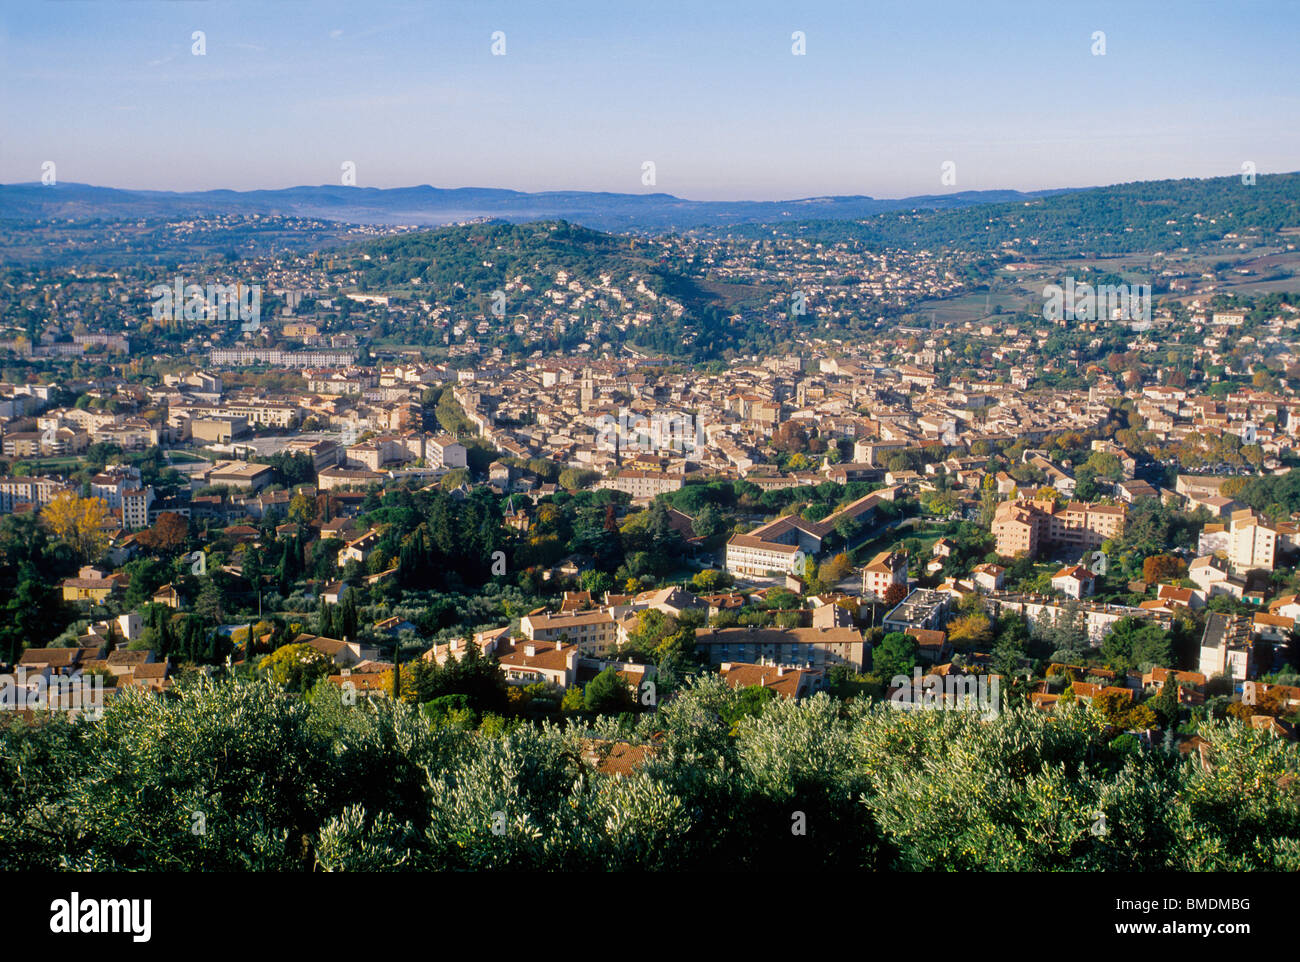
(617,289)
(482,257)
(1141,216)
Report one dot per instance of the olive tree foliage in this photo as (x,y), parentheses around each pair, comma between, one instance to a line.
(230,774)
(1013,793)
(1242,811)
(532,800)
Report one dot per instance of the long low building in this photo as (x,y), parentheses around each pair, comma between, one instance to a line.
(240,474)
(34,491)
(795,647)
(643,485)
(332,479)
(749,554)
(771,547)
(595,631)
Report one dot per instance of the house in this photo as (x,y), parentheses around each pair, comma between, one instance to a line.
(167,595)
(1132,491)
(342,529)
(885,570)
(50,661)
(333,479)
(124,664)
(753,555)
(931,644)
(1185,597)
(1270,627)
(832,614)
(1273,726)
(152,675)
(1288,696)
(773,547)
(1087,691)
(1075,581)
(359,549)
(1157,677)
(487,642)
(616,758)
(1206,572)
(530,662)
(643,485)
(1288,606)
(344,653)
(682,523)
(372,684)
(672,601)
(124,628)
(789,683)
(989,577)
(1216,504)
(576,601)
(92,586)
(1056,478)
(444,451)
(241,534)
(394,626)
(726,601)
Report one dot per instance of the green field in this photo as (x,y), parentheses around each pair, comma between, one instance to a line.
(41,465)
(927,532)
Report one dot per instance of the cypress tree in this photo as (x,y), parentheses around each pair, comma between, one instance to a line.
(347,620)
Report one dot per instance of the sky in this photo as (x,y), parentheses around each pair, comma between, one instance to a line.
(709,91)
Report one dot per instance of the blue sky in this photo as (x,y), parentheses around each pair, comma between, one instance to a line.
(710,92)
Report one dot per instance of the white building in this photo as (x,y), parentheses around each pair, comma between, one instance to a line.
(1226,648)
(1251,543)
(444,451)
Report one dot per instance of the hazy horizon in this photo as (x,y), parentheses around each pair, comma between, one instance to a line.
(1012,94)
(591,190)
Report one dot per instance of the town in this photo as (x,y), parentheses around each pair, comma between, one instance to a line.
(493,438)
(826,519)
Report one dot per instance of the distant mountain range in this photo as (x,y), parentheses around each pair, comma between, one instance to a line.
(434,206)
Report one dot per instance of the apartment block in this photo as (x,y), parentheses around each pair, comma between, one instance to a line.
(1251,542)
(1034,526)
